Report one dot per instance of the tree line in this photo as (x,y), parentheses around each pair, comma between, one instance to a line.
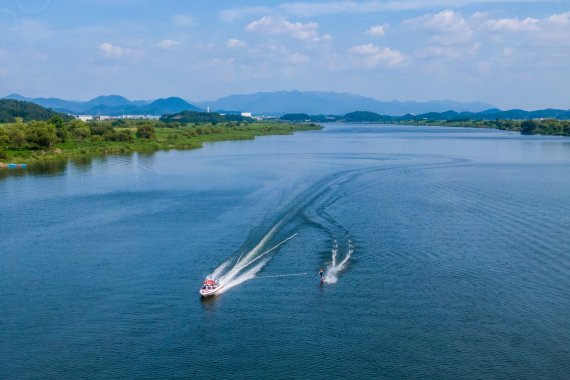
(37,135)
(549,126)
(186,117)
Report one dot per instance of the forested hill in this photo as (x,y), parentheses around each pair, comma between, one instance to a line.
(452,116)
(202,117)
(16,110)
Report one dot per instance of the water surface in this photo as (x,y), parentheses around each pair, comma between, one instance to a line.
(456,245)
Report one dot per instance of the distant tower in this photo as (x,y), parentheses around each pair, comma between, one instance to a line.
(208,109)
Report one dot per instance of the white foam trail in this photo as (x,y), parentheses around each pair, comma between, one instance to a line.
(247,259)
(334,269)
(219,270)
(243,270)
(334,253)
(243,277)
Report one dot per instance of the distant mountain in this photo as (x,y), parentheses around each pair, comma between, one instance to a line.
(169,105)
(112,105)
(291,102)
(16,97)
(494,114)
(11,109)
(491,114)
(107,100)
(283,102)
(53,103)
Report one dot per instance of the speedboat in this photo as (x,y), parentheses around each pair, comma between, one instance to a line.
(210,287)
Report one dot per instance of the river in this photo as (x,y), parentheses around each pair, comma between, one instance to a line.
(446,254)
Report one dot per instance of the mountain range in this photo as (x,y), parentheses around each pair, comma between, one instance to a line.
(112,105)
(312,102)
(261,103)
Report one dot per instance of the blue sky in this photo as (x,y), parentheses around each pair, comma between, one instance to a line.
(508,53)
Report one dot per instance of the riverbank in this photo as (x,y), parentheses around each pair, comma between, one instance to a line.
(161,138)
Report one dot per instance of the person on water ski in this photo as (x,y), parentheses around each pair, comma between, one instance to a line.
(321,273)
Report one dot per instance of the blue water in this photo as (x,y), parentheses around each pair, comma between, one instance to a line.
(455,246)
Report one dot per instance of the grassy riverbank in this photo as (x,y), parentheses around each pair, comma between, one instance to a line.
(38,142)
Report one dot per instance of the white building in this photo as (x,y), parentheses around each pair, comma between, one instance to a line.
(246,114)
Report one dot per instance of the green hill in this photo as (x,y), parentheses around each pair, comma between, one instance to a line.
(202,117)
(12,111)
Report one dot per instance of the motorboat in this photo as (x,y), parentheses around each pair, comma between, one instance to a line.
(210,287)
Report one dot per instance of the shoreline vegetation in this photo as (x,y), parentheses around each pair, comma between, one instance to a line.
(526,126)
(31,134)
(36,142)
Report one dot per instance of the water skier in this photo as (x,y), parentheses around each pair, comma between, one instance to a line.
(321,273)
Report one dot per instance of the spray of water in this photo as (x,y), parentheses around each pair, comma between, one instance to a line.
(247,265)
(334,268)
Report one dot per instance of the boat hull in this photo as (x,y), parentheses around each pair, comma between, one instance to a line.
(210,292)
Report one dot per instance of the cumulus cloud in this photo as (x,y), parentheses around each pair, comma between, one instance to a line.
(547,31)
(371,56)
(166,44)
(562,19)
(514,24)
(234,43)
(300,31)
(377,30)
(110,50)
(449,27)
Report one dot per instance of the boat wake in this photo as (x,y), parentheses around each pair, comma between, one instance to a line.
(335,266)
(311,206)
(247,265)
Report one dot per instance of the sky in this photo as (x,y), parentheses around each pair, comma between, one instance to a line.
(512,54)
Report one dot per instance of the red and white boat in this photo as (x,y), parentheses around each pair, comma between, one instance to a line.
(210,287)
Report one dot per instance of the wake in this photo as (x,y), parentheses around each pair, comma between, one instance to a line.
(311,206)
(247,265)
(334,268)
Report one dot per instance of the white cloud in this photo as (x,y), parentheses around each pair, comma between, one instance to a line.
(562,19)
(234,43)
(183,19)
(230,15)
(447,21)
(166,44)
(548,31)
(371,56)
(114,51)
(449,27)
(377,30)
(301,31)
(110,50)
(514,24)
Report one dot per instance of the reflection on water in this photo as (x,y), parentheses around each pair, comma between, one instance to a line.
(50,168)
